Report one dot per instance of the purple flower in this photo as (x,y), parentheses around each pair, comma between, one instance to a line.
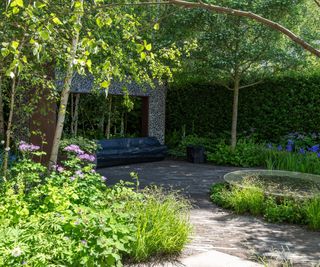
(60,169)
(87,157)
(74,148)
(318,154)
(279,147)
(93,171)
(25,147)
(79,173)
(72,178)
(103,178)
(302,151)
(84,242)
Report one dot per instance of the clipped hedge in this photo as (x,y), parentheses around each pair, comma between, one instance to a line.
(272,109)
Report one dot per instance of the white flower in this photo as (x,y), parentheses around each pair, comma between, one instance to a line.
(16,252)
(2,142)
(7,149)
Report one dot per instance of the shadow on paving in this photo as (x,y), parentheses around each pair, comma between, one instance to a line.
(219,229)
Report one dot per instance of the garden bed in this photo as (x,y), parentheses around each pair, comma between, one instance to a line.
(278,183)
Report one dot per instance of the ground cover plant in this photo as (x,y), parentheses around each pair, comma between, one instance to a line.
(68,216)
(253,200)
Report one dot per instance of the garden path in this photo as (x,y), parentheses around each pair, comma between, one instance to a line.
(219,229)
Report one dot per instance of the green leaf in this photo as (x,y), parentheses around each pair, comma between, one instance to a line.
(14,45)
(15,10)
(148,47)
(140,48)
(156,26)
(108,21)
(143,55)
(99,22)
(17,3)
(44,35)
(105,84)
(57,21)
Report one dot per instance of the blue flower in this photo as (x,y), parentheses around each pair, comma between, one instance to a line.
(290,142)
(279,147)
(289,148)
(318,154)
(315,148)
(302,151)
(269,145)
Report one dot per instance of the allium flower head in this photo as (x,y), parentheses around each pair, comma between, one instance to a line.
(289,148)
(302,151)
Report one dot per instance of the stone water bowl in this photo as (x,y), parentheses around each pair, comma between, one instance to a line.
(277,183)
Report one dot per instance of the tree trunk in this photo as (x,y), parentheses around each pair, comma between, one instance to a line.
(109,118)
(1,111)
(235,112)
(122,124)
(72,115)
(76,115)
(65,93)
(9,126)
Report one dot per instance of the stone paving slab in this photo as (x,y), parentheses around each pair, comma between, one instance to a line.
(210,258)
(217,229)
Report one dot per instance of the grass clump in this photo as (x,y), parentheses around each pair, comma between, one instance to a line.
(162,225)
(312,213)
(253,200)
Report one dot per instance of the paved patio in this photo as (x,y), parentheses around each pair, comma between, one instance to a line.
(219,229)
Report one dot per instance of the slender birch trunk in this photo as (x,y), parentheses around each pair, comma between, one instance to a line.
(76,115)
(122,124)
(109,119)
(9,126)
(65,93)
(72,115)
(1,110)
(236,89)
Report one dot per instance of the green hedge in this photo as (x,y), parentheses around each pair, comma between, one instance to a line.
(272,109)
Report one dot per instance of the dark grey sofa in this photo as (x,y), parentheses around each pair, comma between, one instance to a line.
(122,151)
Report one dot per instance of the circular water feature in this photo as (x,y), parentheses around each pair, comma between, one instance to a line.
(279,183)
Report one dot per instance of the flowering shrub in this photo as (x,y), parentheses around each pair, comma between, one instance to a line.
(69,217)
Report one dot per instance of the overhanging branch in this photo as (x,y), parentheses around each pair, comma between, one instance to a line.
(274,25)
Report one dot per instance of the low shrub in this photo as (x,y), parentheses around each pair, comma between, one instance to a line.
(69,217)
(272,208)
(246,154)
(286,210)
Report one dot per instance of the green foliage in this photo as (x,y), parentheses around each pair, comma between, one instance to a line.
(312,213)
(288,210)
(70,217)
(162,225)
(218,194)
(246,154)
(281,160)
(271,109)
(246,200)
(252,199)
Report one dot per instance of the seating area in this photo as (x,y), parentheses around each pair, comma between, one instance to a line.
(121,151)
